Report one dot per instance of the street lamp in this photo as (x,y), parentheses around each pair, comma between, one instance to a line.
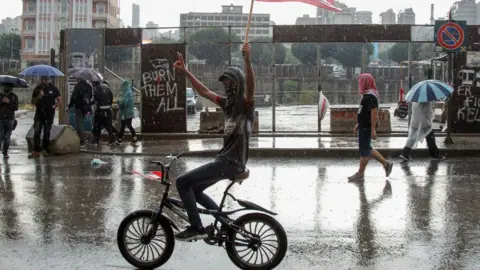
(12,35)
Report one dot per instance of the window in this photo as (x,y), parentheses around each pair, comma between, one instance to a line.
(29,43)
(100,24)
(64,7)
(31,7)
(30,26)
(100,8)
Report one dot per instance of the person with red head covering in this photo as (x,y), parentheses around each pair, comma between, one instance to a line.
(367,120)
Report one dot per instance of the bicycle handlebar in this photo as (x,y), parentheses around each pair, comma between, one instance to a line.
(163,166)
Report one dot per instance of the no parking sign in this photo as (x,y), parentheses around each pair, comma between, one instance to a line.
(450,36)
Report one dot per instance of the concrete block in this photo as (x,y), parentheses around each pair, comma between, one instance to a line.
(343,119)
(63,140)
(214,121)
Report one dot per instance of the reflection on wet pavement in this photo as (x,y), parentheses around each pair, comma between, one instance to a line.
(59,213)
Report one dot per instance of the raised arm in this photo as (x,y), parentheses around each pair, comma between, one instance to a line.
(196,84)
(249,73)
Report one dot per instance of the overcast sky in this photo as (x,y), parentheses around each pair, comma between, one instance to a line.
(166,13)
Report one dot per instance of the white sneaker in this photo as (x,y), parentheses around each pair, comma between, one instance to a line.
(356,177)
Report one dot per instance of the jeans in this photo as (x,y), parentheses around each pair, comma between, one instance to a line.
(191,186)
(364,141)
(6,128)
(126,123)
(103,120)
(45,123)
(79,122)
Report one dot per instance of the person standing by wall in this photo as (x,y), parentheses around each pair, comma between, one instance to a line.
(366,127)
(80,101)
(46,98)
(8,106)
(103,99)
(127,113)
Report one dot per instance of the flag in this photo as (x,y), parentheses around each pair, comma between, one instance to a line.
(325,4)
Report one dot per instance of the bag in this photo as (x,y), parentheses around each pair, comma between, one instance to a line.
(14,124)
(323,106)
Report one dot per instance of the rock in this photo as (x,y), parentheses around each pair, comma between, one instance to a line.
(63,140)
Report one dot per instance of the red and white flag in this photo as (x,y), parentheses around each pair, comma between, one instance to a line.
(325,4)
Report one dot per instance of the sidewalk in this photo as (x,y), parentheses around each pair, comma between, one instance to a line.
(287,146)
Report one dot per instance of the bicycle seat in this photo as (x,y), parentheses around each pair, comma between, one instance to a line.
(241,176)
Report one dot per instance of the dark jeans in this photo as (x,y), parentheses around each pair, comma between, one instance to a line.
(45,123)
(191,186)
(126,123)
(364,141)
(6,128)
(103,120)
(79,124)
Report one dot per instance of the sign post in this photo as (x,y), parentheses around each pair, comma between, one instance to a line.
(450,38)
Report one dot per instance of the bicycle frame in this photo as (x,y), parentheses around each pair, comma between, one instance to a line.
(176,206)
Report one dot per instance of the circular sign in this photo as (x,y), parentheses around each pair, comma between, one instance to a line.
(450,36)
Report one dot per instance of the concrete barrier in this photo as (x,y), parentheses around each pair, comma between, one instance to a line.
(213,122)
(63,140)
(343,118)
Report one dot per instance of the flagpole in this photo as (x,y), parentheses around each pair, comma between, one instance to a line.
(249,21)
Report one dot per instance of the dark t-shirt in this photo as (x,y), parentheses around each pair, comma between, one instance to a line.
(364,117)
(237,133)
(44,106)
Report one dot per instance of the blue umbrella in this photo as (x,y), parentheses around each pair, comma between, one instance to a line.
(16,82)
(42,70)
(429,90)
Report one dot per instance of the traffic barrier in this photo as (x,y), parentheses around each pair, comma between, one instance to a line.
(63,140)
(344,118)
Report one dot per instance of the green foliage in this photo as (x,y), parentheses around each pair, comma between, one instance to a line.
(305,52)
(399,52)
(262,52)
(118,53)
(161,40)
(350,54)
(211,45)
(6,41)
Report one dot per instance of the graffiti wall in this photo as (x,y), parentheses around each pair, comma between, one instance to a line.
(163,89)
(466,101)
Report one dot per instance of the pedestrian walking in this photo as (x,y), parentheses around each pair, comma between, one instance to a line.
(8,106)
(46,98)
(80,101)
(127,113)
(421,127)
(366,127)
(103,99)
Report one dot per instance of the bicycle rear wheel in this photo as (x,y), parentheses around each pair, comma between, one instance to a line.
(265,252)
(140,250)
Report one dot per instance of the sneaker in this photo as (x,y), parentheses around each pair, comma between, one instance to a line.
(34,155)
(45,153)
(5,155)
(388,168)
(405,158)
(192,233)
(438,157)
(356,177)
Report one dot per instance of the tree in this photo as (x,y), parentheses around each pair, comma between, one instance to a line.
(162,40)
(399,52)
(350,54)
(118,53)
(307,52)
(6,41)
(262,52)
(211,45)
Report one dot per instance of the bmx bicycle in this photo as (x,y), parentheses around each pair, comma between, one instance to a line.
(252,241)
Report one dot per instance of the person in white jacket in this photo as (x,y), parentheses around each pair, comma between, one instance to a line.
(421,127)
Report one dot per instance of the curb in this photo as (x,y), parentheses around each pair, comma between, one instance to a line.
(304,152)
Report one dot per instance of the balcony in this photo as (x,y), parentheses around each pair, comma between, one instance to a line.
(29,13)
(28,32)
(101,16)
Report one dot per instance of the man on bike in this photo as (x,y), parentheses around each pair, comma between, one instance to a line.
(239,110)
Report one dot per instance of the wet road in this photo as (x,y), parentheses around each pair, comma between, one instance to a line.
(62,214)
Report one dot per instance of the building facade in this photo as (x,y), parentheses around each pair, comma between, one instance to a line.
(465,10)
(231,15)
(135,15)
(406,16)
(11,25)
(42,21)
(388,17)
(305,20)
(363,17)
(325,16)
(151,31)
